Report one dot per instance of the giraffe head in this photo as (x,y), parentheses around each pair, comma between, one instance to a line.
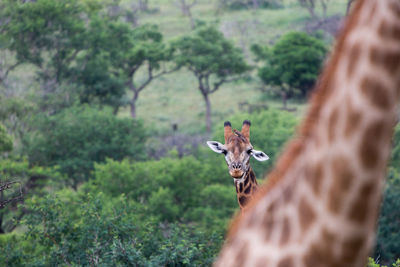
(237,149)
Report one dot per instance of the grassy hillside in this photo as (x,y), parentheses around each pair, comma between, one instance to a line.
(175,98)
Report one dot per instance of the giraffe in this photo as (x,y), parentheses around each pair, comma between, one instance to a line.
(237,150)
(321,202)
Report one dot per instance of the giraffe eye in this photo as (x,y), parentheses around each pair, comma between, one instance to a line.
(224,152)
(249,151)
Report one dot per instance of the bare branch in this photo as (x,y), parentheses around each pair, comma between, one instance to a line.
(6,186)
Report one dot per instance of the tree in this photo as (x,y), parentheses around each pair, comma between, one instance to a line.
(292,64)
(212,59)
(310,5)
(45,33)
(145,50)
(77,137)
(185,6)
(116,54)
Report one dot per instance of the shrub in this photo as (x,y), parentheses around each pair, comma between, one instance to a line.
(71,228)
(76,138)
(180,181)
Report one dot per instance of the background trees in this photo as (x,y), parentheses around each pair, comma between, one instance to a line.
(212,59)
(292,64)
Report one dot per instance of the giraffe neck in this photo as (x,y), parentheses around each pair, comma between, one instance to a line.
(321,203)
(246,187)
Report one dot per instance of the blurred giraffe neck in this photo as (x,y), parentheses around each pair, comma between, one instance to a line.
(321,202)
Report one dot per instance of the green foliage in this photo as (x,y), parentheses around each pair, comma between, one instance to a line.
(172,186)
(207,53)
(29,181)
(371,263)
(44,32)
(293,63)
(6,143)
(66,229)
(388,246)
(395,159)
(115,53)
(161,203)
(79,136)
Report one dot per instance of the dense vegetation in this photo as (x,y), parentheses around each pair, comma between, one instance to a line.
(102,107)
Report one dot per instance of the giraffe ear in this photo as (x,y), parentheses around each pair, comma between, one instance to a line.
(259,155)
(216,146)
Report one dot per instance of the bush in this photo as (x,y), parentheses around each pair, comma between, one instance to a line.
(76,138)
(71,228)
(177,181)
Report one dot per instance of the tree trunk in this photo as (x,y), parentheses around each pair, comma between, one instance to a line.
(208,113)
(324,8)
(192,23)
(132,104)
(284,100)
(144,5)
(256,5)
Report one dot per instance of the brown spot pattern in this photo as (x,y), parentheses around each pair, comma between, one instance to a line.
(388,31)
(268,221)
(314,174)
(252,176)
(351,248)
(332,124)
(288,194)
(354,55)
(306,214)
(389,60)
(285,234)
(341,182)
(247,190)
(369,147)
(319,255)
(360,207)
(353,120)
(395,7)
(376,93)
(241,255)
(243,200)
(286,262)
